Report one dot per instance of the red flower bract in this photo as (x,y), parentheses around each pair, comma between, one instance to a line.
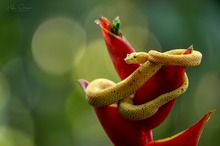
(166,79)
(189,137)
(123,132)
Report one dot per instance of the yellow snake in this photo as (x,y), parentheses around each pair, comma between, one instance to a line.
(102,92)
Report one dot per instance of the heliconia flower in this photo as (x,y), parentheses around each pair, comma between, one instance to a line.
(123,132)
(189,137)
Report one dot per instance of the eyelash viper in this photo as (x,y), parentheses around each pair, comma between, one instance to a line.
(102,92)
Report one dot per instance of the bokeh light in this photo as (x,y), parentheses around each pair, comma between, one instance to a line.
(54,44)
(141,38)
(95,53)
(14,137)
(45,50)
(128,12)
(207,93)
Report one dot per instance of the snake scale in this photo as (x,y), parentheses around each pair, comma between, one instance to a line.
(102,92)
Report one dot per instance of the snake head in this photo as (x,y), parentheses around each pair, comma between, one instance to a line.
(136,58)
(122,131)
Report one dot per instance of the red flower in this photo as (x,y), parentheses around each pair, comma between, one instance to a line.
(123,132)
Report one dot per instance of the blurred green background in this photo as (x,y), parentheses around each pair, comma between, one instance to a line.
(45,46)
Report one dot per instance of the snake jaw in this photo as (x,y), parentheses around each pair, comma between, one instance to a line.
(129,132)
(136,58)
(103,92)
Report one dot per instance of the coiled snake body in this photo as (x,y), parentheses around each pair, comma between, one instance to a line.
(102,92)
